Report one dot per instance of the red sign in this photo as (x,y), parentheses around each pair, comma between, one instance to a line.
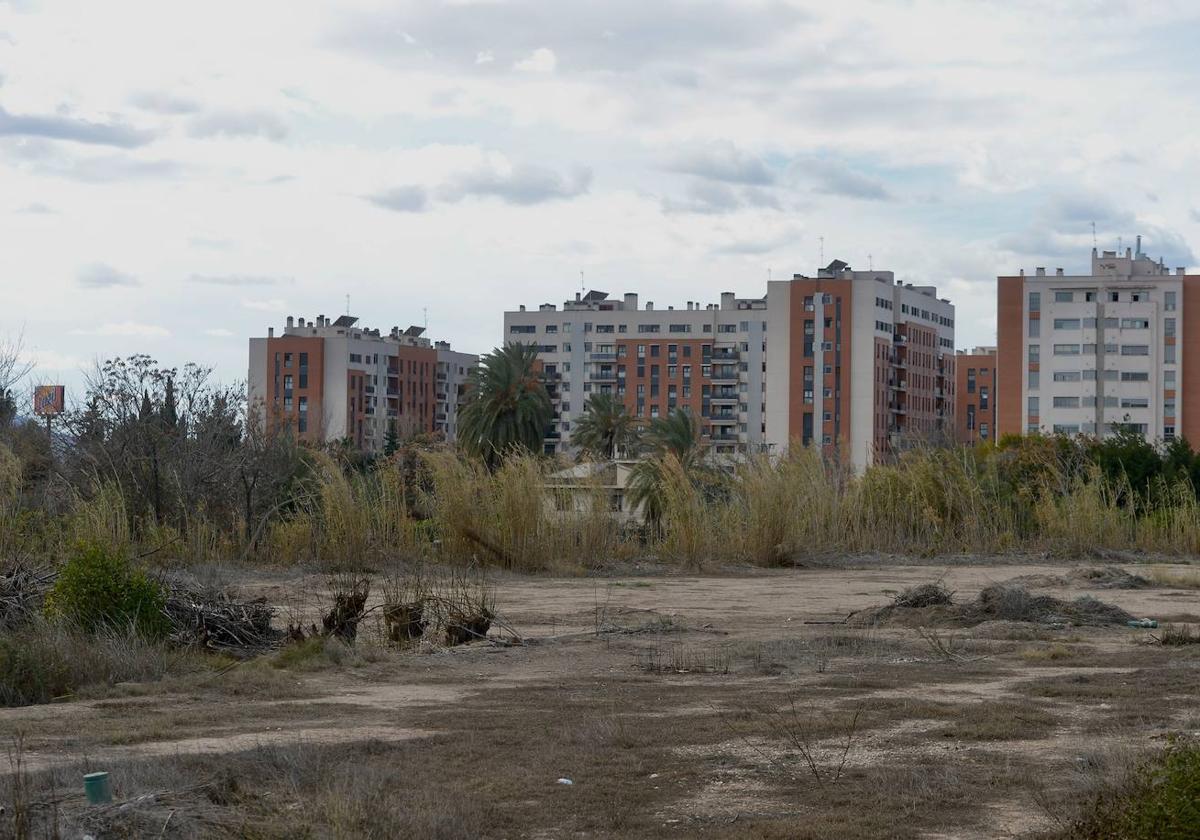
(49,400)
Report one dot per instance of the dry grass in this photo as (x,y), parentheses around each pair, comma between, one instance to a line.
(1178,577)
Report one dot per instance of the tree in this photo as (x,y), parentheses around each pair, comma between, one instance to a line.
(676,436)
(391,440)
(507,405)
(606,429)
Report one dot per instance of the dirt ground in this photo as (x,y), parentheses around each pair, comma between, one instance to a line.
(739,705)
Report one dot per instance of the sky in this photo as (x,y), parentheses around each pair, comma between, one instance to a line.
(175,178)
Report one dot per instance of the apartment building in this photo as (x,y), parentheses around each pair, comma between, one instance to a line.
(709,358)
(866,362)
(1088,354)
(848,359)
(333,379)
(975,395)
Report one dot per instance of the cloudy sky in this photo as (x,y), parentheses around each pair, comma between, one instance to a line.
(176,177)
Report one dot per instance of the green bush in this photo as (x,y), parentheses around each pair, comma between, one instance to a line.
(30,673)
(1161,801)
(99,589)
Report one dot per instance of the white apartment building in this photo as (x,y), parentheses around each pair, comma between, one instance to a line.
(1088,354)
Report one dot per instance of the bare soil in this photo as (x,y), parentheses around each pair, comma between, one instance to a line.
(709,706)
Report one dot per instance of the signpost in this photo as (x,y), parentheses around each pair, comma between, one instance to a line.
(49,401)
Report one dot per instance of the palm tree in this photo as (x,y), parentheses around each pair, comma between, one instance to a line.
(675,436)
(606,429)
(507,404)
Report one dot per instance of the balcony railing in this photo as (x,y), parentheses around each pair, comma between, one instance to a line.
(603,357)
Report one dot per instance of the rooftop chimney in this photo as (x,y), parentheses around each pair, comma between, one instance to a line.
(727,299)
(1041,271)
(631,300)
(1058,272)
(270,332)
(301,322)
(649,306)
(290,321)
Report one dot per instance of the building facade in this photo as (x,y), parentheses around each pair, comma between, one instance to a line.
(1091,354)
(975,395)
(846,359)
(333,380)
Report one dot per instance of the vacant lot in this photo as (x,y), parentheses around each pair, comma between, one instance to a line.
(766,705)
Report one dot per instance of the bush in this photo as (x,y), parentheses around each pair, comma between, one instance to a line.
(29,674)
(99,589)
(1160,801)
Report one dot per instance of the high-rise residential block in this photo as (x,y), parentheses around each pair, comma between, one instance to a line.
(846,359)
(1091,354)
(975,395)
(335,380)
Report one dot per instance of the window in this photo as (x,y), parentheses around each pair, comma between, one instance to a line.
(566,347)
(1168,376)
(1090,297)
(1169,301)
(1169,327)
(1035,380)
(1089,323)
(1066,349)
(1135,402)
(522,329)
(1135,350)
(983,398)
(983,431)
(648,328)
(1114,297)
(1035,302)
(655,350)
(1033,405)
(1064,297)
(1035,327)
(680,328)
(970,418)
(1066,323)
(1066,402)
(1135,376)
(970,380)
(1066,376)
(287,360)
(1066,428)
(726,328)
(1135,324)
(1169,354)
(1035,352)
(551,329)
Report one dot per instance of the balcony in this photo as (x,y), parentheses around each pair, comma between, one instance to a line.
(899,338)
(604,376)
(602,357)
(897,408)
(898,384)
(724,374)
(724,354)
(722,437)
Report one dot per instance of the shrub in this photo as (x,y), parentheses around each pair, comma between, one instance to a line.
(99,589)
(30,674)
(1160,801)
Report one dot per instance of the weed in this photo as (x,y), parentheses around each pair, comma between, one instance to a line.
(98,588)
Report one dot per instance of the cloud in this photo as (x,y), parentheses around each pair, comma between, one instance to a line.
(760,245)
(126,329)
(211,243)
(238,280)
(218,332)
(162,102)
(613,36)
(484,57)
(721,162)
(238,124)
(407,199)
(710,197)
(272,305)
(106,168)
(69,128)
(523,185)
(36,207)
(541,60)
(102,276)
(1061,229)
(832,177)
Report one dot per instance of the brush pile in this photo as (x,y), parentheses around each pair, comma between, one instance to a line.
(22,589)
(932,605)
(219,623)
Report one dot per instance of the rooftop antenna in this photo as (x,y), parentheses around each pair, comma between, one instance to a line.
(581,288)
(768,274)
(870,263)
(1120,244)
(821,239)
(347,304)
(425,313)
(1093,236)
